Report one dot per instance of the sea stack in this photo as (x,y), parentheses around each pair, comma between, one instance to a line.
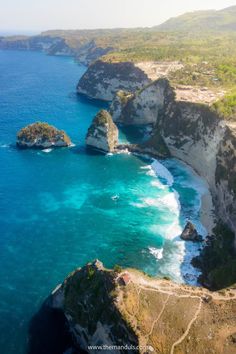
(41,135)
(103,133)
(190,233)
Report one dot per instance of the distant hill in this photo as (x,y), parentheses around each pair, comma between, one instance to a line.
(200,21)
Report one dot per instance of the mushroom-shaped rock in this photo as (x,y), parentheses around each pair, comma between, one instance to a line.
(103,133)
(41,135)
(190,233)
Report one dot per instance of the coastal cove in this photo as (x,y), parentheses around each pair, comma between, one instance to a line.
(62,208)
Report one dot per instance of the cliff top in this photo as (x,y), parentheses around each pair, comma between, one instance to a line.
(103,117)
(44,130)
(156,313)
(42,135)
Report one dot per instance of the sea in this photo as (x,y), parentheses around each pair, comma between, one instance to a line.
(61,208)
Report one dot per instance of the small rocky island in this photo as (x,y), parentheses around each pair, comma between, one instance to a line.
(103,133)
(190,233)
(41,135)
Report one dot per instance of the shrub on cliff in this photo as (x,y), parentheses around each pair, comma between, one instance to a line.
(226,107)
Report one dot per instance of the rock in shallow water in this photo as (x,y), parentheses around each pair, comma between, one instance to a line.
(190,233)
(103,133)
(41,135)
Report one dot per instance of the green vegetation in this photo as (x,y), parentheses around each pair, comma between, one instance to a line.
(91,273)
(218,260)
(226,107)
(39,129)
(211,20)
(117,269)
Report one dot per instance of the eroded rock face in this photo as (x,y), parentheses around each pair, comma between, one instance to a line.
(198,136)
(102,79)
(42,136)
(142,107)
(103,133)
(135,310)
(89,52)
(190,233)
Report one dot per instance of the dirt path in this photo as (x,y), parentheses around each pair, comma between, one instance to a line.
(181,339)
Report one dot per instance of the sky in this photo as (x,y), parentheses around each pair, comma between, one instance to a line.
(21,16)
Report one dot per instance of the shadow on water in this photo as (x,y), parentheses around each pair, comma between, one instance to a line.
(135,134)
(48,333)
(78,97)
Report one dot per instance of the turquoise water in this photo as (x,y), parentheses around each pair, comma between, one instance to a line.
(62,208)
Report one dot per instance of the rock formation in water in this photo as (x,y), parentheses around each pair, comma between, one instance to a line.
(42,136)
(134,310)
(103,133)
(103,79)
(190,233)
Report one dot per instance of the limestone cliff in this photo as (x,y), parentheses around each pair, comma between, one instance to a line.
(103,133)
(50,45)
(41,136)
(142,107)
(124,309)
(103,79)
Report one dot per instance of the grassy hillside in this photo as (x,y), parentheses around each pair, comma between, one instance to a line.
(223,20)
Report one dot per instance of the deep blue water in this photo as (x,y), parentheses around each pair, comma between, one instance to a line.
(61,209)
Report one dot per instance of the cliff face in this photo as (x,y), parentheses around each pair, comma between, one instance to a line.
(192,133)
(199,137)
(48,44)
(103,133)
(142,107)
(89,52)
(134,310)
(102,80)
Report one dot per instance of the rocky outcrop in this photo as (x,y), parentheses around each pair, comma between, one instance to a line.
(41,136)
(142,107)
(91,51)
(103,133)
(103,79)
(190,233)
(135,311)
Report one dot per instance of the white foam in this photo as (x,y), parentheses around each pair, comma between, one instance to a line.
(161,171)
(168,231)
(149,170)
(46,150)
(115,197)
(147,167)
(156,252)
(157,184)
(124,151)
(109,154)
(72,145)
(169,201)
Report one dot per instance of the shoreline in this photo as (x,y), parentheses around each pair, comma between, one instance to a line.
(207,212)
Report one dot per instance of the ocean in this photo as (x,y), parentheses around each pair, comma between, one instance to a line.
(62,208)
